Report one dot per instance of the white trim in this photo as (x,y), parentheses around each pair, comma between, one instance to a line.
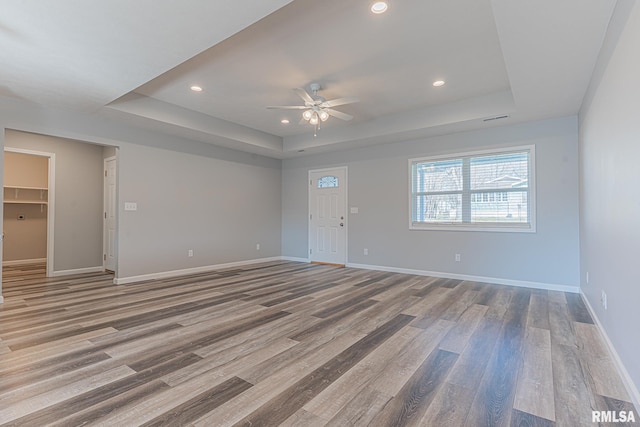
(30,152)
(97,269)
(295,259)
(633,391)
(492,280)
(529,227)
(104,210)
(50,200)
(493,228)
(24,261)
(1,299)
(51,213)
(187,271)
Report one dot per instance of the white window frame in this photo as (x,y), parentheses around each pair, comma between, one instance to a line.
(529,227)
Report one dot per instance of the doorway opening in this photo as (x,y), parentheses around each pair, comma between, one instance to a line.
(29,195)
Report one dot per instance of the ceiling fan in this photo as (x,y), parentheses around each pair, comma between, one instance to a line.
(316,108)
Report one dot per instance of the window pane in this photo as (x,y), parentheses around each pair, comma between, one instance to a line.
(489,189)
(438,208)
(437,176)
(500,171)
(328,182)
(513,208)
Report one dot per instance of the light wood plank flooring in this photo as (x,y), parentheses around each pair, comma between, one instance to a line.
(295,344)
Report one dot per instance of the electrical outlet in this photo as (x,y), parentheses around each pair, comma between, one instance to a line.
(603,299)
(257,246)
(457,257)
(366,251)
(190,253)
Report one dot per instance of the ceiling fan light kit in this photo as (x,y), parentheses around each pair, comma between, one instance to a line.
(307,114)
(316,108)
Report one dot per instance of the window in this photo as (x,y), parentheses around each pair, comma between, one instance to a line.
(328,182)
(491,190)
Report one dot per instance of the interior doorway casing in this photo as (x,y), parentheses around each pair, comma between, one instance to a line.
(50,200)
(110,214)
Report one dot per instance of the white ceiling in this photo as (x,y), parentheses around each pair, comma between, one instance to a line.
(137,60)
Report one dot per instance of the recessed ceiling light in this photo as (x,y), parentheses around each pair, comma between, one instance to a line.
(196,88)
(284,121)
(379,7)
(438,83)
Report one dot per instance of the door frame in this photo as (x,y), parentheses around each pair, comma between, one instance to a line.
(346,210)
(50,200)
(104,209)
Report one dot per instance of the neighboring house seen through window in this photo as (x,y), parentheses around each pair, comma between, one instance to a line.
(489,190)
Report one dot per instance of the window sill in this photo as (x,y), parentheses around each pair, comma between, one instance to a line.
(492,228)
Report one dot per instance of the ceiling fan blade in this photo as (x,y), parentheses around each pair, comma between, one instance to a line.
(304,95)
(287,107)
(339,101)
(338,114)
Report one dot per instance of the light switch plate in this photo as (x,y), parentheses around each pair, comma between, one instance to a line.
(130,206)
(354,210)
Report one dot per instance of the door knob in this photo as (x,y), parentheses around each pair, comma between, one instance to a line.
(341,224)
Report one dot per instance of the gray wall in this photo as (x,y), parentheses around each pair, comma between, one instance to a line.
(1,205)
(610,200)
(378,186)
(78,197)
(191,195)
(24,239)
(218,208)
(25,225)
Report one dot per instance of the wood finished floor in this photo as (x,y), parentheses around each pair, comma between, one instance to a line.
(295,344)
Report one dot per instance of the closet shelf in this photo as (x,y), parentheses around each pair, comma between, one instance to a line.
(27,202)
(19,187)
(26,195)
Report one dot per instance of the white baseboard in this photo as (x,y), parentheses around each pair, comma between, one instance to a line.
(626,378)
(78,271)
(1,299)
(206,268)
(24,261)
(294,259)
(494,280)
(187,271)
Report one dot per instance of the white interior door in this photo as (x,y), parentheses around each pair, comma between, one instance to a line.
(110,214)
(327,216)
